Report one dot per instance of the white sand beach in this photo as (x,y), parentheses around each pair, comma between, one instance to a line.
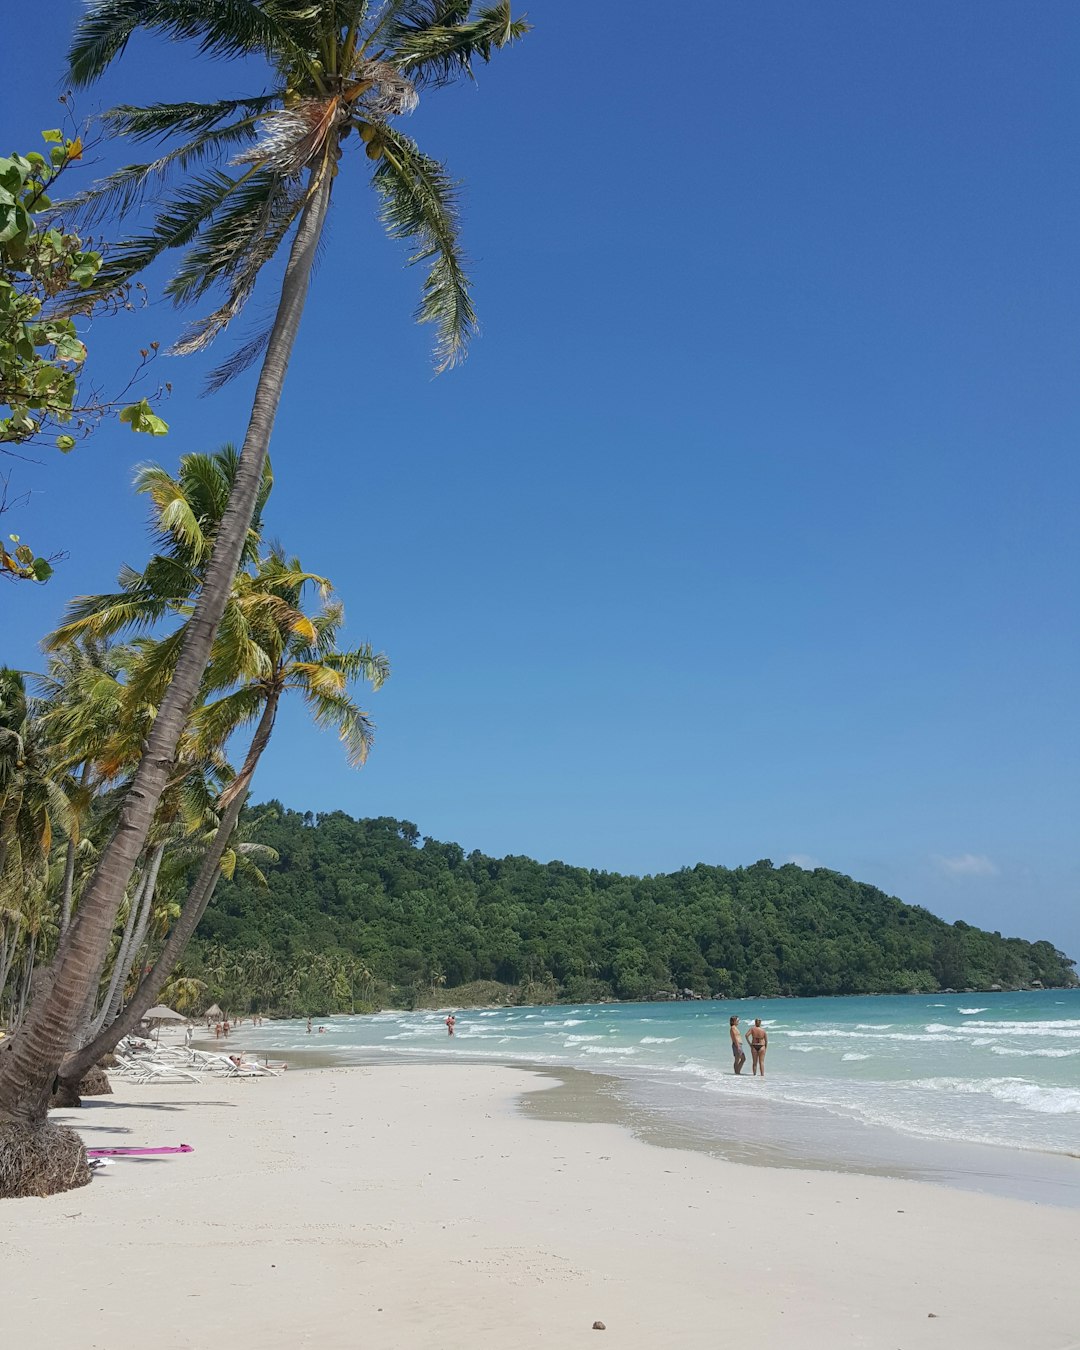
(400,1207)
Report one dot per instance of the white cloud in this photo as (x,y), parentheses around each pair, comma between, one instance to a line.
(804,860)
(968,865)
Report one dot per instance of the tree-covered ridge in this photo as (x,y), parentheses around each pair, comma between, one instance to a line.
(418,913)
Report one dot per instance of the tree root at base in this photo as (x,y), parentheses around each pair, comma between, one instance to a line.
(41,1159)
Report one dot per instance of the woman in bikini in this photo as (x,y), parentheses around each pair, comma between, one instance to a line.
(759,1043)
(737,1051)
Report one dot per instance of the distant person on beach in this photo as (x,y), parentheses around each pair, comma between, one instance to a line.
(759,1043)
(450,1023)
(738,1053)
(217,1031)
(309,1026)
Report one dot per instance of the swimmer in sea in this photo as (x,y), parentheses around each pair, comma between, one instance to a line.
(450,1023)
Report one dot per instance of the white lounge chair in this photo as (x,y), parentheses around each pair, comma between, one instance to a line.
(150,1071)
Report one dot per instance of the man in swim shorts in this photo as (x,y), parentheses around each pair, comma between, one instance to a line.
(738,1053)
(759,1043)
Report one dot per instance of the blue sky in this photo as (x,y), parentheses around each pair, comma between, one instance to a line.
(748,529)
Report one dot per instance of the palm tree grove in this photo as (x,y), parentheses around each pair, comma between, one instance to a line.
(120,802)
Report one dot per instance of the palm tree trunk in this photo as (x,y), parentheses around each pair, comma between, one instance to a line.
(77,1063)
(69,868)
(28,975)
(8,949)
(69,887)
(29,1060)
(134,933)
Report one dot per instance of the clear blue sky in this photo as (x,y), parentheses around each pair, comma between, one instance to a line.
(749,528)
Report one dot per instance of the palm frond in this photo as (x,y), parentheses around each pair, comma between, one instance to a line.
(234,248)
(214,723)
(103,616)
(435,44)
(174,517)
(238,361)
(127,188)
(178,221)
(337,712)
(229,28)
(151,672)
(237,652)
(159,120)
(361,664)
(419,203)
(234,230)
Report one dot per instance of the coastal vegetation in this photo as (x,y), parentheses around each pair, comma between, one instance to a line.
(405,919)
(70,738)
(236,183)
(49,294)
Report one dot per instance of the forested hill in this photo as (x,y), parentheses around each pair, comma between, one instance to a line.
(419,912)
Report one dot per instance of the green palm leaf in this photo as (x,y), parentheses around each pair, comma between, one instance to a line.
(229,28)
(434,43)
(420,203)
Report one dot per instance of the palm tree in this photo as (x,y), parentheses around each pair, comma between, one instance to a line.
(34,793)
(299,654)
(340,71)
(87,717)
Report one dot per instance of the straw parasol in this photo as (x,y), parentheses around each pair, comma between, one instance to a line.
(213,1013)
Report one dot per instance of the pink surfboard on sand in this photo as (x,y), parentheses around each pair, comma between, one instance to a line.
(136,1152)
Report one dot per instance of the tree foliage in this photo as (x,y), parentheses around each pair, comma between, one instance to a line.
(228,186)
(47,281)
(413,910)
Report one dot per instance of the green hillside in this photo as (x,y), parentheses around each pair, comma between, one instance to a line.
(419,915)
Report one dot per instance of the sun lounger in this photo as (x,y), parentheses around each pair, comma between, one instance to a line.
(150,1071)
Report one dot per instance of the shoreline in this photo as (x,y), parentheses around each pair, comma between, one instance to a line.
(785,1137)
(411,1205)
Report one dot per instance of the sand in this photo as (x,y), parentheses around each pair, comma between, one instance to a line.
(414,1206)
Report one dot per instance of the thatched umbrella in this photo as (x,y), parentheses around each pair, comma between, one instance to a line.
(213,1013)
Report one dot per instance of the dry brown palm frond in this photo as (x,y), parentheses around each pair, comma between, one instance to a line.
(385,91)
(293,138)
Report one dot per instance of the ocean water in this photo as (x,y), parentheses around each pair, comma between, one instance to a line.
(842,1074)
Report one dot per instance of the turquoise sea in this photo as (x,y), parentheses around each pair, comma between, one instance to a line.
(894,1084)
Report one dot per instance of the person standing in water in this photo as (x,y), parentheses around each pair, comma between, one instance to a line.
(759,1043)
(738,1053)
(450,1022)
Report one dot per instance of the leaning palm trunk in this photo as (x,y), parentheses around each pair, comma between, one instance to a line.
(77,1063)
(27,980)
(85,1026)
(9,949)
(68,902)
(135,929)
(69,887)
(29,1060)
